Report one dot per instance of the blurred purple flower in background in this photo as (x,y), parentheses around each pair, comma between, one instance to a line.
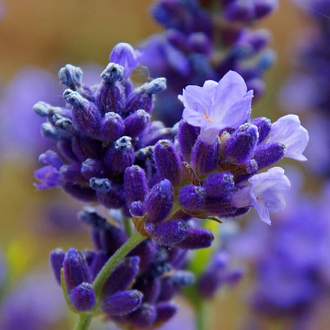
(307,89)
(36,303)
(200,42)
(291,258)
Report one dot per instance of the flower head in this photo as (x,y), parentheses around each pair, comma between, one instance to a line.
(216,106)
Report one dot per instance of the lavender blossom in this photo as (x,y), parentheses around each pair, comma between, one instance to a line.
(217,106)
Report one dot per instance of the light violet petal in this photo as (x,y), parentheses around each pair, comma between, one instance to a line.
(274,177)
(273,200)
(238,113)
(231,89)
(209,135)
(262,211)
(241,198)
(193,118)
(193,98)
(287,130)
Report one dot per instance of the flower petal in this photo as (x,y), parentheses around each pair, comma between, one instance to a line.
(288,131)
(237,114)
(231,88)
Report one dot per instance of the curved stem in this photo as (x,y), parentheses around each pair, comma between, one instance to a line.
(83,322)
(84,319)
(111,264)
(128,226)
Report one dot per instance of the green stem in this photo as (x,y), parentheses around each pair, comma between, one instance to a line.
(200,316)
(84,319)
(111,264)
(128,226)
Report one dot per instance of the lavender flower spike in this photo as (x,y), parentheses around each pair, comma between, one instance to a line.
(288,131)
(216,106)
(264,193)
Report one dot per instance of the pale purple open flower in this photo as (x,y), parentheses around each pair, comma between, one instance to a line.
(288,130)
(264,193)
(216,106)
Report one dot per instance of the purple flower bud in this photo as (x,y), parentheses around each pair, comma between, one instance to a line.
(89,256)
(167,161)
(125,55)
(240,146)
(64,126)
(112,238)
(263,8)
(78,192)
(155,86)
(56,258)
(49,131)
(93,168)
(144,317)
(177,39)
(100,185)
(85,114)
(165,311)
(83,297)
(146,251)
(90,217)
(50,157)
(219,185)
(95,235)
(192,197)
(70,76)
(204,157)
(42,109)
(264,125)
(65,147)
(135,184)
(136,123)
(211,279)
(268,154)
(197,239)
(98,262)
(187,136)
(182,278)
(240,11)
(234,276)
(142,98)
(159,202)
(122,303)
(114,197)
(122,277)
(75,269)
(177,257)
(167,290)
(150,287)
(137,209)
(120,155)
(71,173)
(48,176)
(198,42)
(156,135)
(167,233)
(111,93)
(112,127)
(84,147)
